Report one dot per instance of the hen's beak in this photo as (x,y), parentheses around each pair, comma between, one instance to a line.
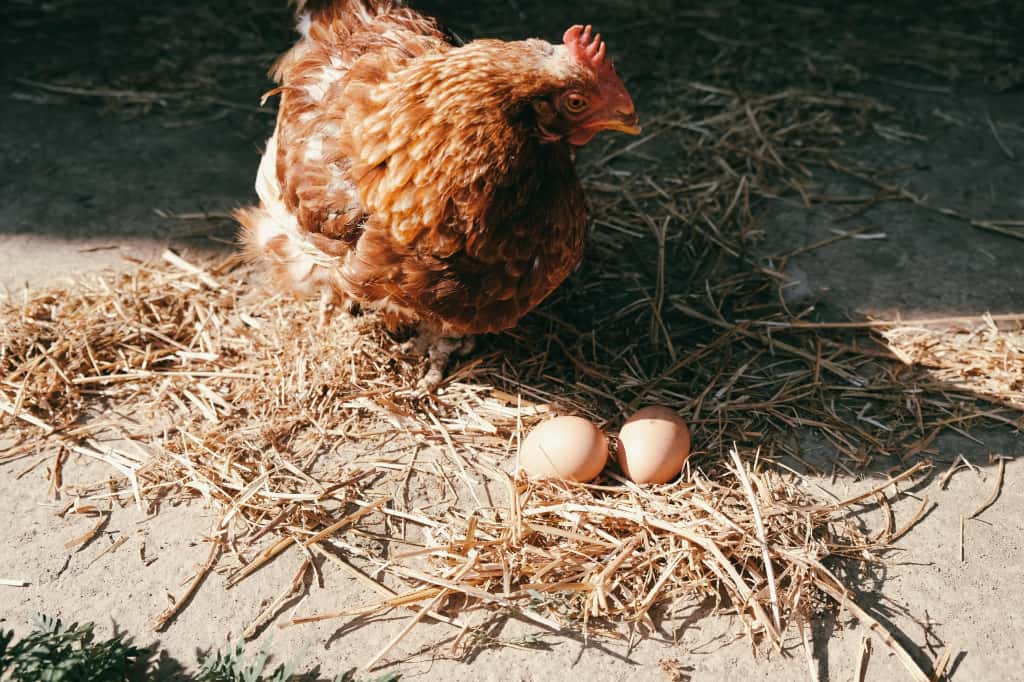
(624,121)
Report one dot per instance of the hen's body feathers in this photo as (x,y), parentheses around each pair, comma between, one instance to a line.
(407,174)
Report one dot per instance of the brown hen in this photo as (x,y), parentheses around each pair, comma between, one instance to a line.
(432,182)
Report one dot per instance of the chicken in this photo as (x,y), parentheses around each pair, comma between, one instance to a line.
(432,182)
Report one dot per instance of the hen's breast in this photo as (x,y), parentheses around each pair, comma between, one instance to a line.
(481,272)
(531,237)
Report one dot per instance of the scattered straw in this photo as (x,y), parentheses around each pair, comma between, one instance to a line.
(164,619)
(942,664)
(81,541)
(898,649)
(191,381)
(759,526)
(109,549)
(980,356)
(861,670)
(995,491)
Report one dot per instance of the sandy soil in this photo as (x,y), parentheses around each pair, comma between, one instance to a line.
(79,187)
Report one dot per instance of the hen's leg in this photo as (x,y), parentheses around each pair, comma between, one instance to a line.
(437,355)
(327,301)
(438,350)
(331,302)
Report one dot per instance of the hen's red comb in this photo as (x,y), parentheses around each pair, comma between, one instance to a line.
(587,48)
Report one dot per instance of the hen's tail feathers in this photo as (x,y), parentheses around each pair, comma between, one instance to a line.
(271,233)
(350,16)
(368,7)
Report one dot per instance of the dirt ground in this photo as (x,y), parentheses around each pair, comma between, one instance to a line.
(89,181)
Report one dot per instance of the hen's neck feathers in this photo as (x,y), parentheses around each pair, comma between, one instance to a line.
(501,73)
(485,87)
(443,131)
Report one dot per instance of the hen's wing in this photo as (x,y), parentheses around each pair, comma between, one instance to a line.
(374,36)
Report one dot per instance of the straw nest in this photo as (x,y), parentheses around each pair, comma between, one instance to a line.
(192,381)
(311,439)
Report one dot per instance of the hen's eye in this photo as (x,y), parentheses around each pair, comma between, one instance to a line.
(575,103)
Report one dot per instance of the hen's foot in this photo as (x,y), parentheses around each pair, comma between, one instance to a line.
(438,351)
(331,304)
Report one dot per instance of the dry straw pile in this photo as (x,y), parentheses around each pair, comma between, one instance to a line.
(188,383)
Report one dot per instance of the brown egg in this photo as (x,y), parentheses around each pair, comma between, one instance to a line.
(653,444)
(571,448)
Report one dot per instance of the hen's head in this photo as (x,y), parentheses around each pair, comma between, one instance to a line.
(590,97)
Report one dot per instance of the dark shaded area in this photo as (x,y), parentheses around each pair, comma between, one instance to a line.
(116,112)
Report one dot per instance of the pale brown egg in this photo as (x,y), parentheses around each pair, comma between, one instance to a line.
(570,448)
(653,445)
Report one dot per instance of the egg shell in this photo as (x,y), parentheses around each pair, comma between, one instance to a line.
(570,448)
(653,445)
